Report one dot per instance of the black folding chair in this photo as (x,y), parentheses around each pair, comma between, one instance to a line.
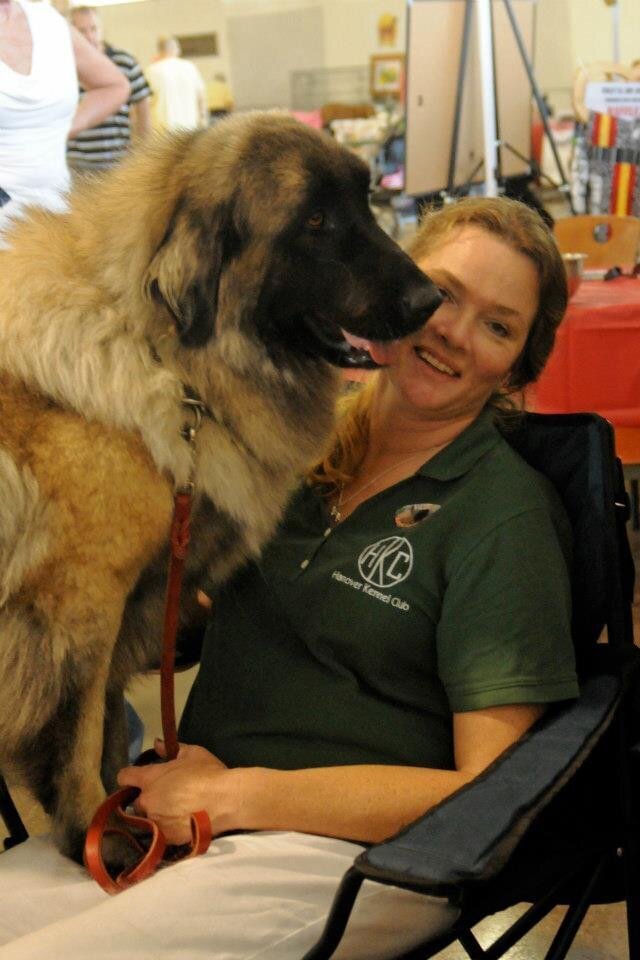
(556,819)
(16,830)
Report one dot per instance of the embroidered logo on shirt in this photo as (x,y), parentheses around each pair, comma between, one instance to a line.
(414,513)
(387,562)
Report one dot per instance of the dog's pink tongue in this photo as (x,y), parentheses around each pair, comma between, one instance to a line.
(379,352)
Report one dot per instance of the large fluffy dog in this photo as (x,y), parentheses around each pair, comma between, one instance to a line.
(224,263)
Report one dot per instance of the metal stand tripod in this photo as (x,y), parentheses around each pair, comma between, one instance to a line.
(493,143)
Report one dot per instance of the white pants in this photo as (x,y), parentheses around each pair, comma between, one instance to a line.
(255,896)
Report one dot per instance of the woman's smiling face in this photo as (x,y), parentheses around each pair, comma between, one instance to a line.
(453,365)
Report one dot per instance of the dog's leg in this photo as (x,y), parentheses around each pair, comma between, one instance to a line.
(56,657)
(43,754)
(79,785)
(115,741)
(80,788)
(60,760)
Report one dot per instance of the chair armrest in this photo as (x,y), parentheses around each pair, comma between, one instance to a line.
(472,833)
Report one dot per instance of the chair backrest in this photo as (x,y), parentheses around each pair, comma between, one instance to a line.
(607,240)
(576,452)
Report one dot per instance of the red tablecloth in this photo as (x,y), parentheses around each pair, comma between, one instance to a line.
(595,364)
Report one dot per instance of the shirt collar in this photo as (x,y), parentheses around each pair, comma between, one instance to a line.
(464,452)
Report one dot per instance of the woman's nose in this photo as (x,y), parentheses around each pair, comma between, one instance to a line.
(452,327)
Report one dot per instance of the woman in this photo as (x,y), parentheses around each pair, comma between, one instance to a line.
(395,638)
(41,61)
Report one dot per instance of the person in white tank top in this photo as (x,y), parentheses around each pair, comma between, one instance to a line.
(41,60)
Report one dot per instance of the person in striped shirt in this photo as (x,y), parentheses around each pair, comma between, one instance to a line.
(101,147)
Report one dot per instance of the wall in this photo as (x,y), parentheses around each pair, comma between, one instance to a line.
(592,34)
(568,31)
(350,30)
(347,35)
(261,79)
(553,55)
(136,27)
(571,32)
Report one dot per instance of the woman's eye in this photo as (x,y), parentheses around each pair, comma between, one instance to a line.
(444,294)
(316,220)
(498,328)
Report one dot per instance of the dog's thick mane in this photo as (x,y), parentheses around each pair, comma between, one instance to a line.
(83,329)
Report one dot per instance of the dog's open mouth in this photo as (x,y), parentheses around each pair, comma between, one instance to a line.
(344,349)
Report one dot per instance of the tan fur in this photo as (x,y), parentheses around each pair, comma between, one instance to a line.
(98,535)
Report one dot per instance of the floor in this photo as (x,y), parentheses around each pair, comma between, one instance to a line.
(601,938)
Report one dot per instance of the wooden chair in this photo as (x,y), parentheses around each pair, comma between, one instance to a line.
(608,240)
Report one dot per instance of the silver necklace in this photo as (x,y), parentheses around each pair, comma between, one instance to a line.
(335,511)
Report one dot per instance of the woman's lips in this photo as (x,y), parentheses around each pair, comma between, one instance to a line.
(436,362)
(381,353)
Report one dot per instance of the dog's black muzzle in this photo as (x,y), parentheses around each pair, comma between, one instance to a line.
(407,301)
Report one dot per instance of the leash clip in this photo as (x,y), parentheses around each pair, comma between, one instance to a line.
(196,407)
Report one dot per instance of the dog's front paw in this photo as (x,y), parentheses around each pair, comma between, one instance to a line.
(72,843)
(121,852)
(120,848)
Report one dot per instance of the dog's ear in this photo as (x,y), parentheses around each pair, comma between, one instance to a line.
(184,275)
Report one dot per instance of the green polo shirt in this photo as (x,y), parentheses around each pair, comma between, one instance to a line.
(446,592)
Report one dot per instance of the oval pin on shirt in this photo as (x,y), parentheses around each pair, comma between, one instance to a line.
(414,513)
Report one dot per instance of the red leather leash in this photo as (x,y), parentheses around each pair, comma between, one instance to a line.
(115,807)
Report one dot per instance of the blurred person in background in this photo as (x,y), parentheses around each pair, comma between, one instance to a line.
(179,96)
(41,60)
(102,146)
(219,97)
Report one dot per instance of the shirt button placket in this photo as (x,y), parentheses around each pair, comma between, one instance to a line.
(305,563)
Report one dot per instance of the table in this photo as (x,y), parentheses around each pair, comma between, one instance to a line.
(595,364)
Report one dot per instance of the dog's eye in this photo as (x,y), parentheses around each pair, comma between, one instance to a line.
(316,220)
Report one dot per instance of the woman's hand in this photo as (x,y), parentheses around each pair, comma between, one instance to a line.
(204,601)
(170,792)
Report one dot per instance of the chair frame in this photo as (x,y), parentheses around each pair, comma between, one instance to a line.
(17,832)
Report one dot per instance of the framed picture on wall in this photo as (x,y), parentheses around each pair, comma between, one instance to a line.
(199,45)
(387,70)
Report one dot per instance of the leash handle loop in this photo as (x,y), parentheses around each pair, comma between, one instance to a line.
(115,806)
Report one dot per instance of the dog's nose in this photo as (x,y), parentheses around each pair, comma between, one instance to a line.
(419,302)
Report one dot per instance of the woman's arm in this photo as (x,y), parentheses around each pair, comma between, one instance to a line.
(361,802)
(106,87)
